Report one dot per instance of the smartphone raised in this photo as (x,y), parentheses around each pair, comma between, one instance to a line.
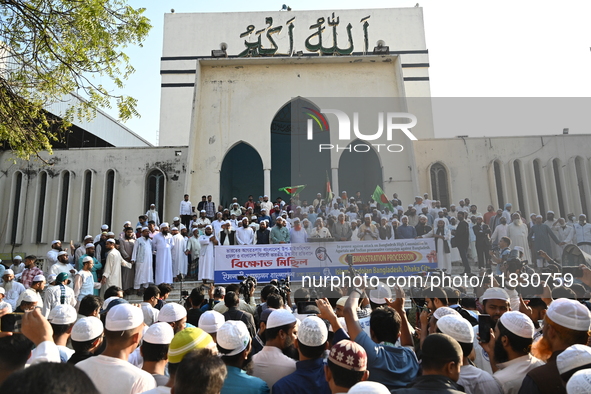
(484,326)
(11,322)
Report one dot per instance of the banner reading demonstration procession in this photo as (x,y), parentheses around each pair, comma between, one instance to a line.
(380,258)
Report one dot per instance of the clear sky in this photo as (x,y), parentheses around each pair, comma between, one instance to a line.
(476,49)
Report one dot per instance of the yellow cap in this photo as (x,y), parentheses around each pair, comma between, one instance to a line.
(186,340)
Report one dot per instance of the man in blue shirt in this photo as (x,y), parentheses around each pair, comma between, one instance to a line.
(309,375)
(234,345)
(279,234)
(393,366)
(405,231)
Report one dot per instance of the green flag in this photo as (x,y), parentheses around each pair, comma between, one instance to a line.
(380,197)
(292,190)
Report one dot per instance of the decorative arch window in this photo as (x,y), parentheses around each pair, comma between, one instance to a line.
(86,203)
(499,183)
(109,194)
(439,184)
(519,186)
(579,167)
(539,187)
(18,186)
(559,191)
(41,207)
(65,192)
(155,184)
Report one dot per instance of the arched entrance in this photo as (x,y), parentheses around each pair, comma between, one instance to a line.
(360,171)
(241,175)
(295,160)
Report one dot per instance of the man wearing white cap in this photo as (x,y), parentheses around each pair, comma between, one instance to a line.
(17,266)
(152,215)
(113,264)
(207,242)
(495,302)
(474,380)
(4,304)
(580,382)
(179,258)
(63,265)
(227,235)
(162,244)
(309,375)
(51,256)
(234,344)
(110,371)
(142,259)
(567,323)
(211,321)
(84,283)
(86,338)
(270,364)
(582,237)
(245,234)
(62,319)
(12,287)
(154,351)
(518,232)
(37,287)
(509,350)
(81,250)
(367,231)
(175,315)
(573,359)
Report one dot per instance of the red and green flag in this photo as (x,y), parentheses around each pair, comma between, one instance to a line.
(292,190)
(380,197)
(329,193)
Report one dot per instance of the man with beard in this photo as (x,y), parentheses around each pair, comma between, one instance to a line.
(342,229)
(422,228)
(495,302)
(126,244)
(263,233)
(462,241)
(490,212)
(63,265)
(279,234)
(30,272)
(482,233)
(452,211)
(12,288)
(550,221)
(270,364)
(162,244)
(509,350)
(566,323)
(217,225)
(507,212)
(319,230)
(179,258)
(113,264)
(227,235)
(206,255)
(540,235)
(245,234)
(368,231)
(152,214)
(35,291)
(499,232)
(59,294)
(406,231)
(142,259)
(96,266)
(583,234)
(517,232)
(80,251)
(51,256)
(565,233)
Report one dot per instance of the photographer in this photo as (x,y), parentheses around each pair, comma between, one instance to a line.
(502,254)
(249,307)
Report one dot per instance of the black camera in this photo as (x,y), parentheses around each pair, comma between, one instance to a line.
(283,287)
(246,286)
(416,295)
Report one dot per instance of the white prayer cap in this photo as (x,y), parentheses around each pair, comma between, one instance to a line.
(38,278)
(111,240)
(175,219)
(235,204)
(124,317)
(233,336)
(127,222)
(377,295)
(495,293)
(518,323)
(519,248)
(444,311)
(89,245)
(253,217)
(159,334)
(569,314)
(51,278)
(110,233)
(319,194)
(367,387)
(263,209)
(574,357)
(172,312)
(211,321)
(17,257)
(174,229)
(62,253)
(203,210)
(196,229)
(9,272)
(63,314)
(182,226)
(404,216)
(30,296)
(583,216)
(89,237)
(2,291)
(439,220)
(341,301)
(228,222)
(452,205)
(165,224)
(55,241)
(280,317)
(479,217)
(579,383)
(312,331)
(209,226)
(368,215)
(87,259)
(540,216)
(145,228)
(87,328)
(552,212)
(265,196)
(456,327)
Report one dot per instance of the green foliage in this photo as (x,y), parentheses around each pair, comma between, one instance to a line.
(52,48)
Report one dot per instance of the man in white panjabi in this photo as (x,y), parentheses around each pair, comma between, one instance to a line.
(56,247)
(556,249)
(113,264)
(517,232)
(565,233)
(206,256)
(142,257)
(152,214)
(162,244)
(442,235)
(179,258)
(245,234)
(583,234)
(62,265)
(499,232)
(193,248)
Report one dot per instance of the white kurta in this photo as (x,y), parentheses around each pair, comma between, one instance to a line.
(179,258)
(12,295)
(112,270)
(500,232)
(142,256)
(245,236)
(163,247)
(583,234)
(556,249)
(566,235)
(443,259)
(49,261)
(518,236)
(206,258)
(59,267)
